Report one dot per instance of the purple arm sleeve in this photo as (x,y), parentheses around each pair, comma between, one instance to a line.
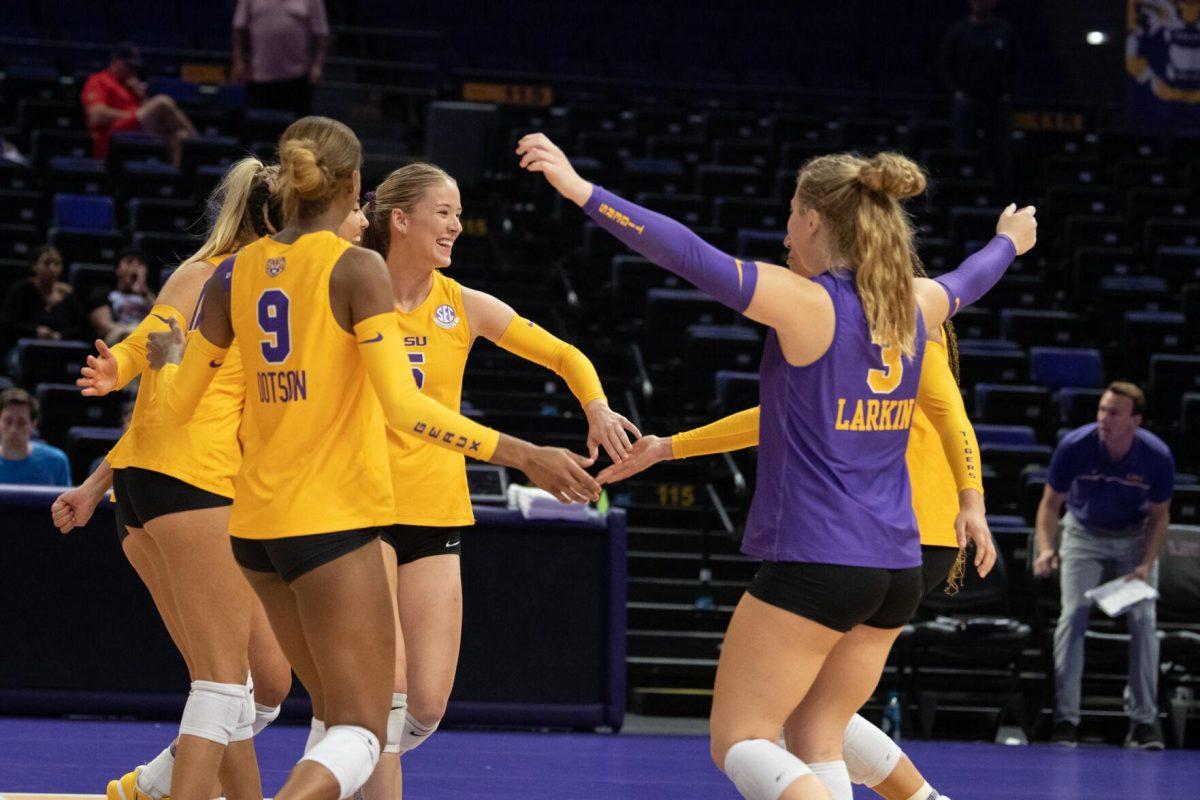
(978,274)
(672,246)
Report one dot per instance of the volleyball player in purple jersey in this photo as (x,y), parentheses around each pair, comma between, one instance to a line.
(832,513)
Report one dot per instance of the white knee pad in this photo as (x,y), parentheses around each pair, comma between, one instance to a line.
(316,732)
(350,753)
(395,726)
(217,711)
(264,716)
(762,770)
(414,733)
(835,777)
(870,753)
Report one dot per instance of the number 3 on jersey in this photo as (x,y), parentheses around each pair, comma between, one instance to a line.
(885,381)
(275,321)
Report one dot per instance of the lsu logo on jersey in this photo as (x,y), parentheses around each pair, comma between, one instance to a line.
(276,266)
(445,317)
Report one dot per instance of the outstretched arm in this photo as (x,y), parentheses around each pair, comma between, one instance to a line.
(945,296)
(497,322)
(763,292)
(735,432)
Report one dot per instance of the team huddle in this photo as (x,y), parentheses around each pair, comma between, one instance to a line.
(310,418)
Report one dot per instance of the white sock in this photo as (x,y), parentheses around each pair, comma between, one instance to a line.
(926,792)
(155,778)
(835,777)
(316,732)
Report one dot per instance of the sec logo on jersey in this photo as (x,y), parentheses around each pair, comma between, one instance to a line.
(445,317)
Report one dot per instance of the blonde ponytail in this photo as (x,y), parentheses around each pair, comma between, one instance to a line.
(859,201)
(317,159)
(234,209)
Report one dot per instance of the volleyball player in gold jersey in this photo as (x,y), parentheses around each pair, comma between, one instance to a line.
(316,328)
(414,224)
(207,455)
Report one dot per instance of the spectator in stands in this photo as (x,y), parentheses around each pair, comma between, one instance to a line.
(978,64)
(42,307)
(126,419)
(1116,480)
(23,460)
(114,99)
(279,49)
(114,312)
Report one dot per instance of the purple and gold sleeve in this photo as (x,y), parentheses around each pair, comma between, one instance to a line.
(975,276)
(672,246)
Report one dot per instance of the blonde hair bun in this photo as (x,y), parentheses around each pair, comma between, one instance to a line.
(893,175)
(307,177)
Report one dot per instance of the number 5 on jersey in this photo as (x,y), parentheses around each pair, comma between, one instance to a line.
(275,321)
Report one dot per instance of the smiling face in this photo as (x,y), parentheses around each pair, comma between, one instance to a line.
(353,225)
(431,228)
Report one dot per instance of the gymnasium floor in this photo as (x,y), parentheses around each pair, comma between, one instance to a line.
(45,758)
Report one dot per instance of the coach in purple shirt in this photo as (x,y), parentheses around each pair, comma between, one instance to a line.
(1116,481)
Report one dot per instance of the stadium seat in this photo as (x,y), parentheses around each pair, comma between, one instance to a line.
(165,249)
(1077,406)
(761,246)
(47,144)
(713,180)
(735,391)
(689,209)
(1178,265)
(1185,505)
(76,175)
(1056,368)
(1005,434)
(1095,231)
(1144,333)
(670,311)
(1129,173)
(1013,405)
(84,245)
(152,179)
(610,148)
(128,146)
(1170,378)
(1029,328)
(735,213)
(988,365)
(46,361)
(689,150)
(261,124)
(22,207)
(721,347)
(1188,442)
(632,278)
(162,216)
(86,278)
(208,151)
(758,153)
(19,241)
(1016,291)
(656,175)
(62,407)
(84,212)
(1161,231)
(974,322)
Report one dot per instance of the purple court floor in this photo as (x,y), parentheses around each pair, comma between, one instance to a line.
(62,756)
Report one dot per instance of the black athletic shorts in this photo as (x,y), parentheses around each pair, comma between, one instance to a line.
(414,542)
(838,596)
(936,563)
(293,556)
(143,495)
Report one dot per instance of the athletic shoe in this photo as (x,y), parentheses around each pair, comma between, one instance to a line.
(1145,736)
(1066,734)
(125,788)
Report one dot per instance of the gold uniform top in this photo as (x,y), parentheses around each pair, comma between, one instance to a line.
(430,483)
(205,451)
(314,452)
(936,480)
(939,427)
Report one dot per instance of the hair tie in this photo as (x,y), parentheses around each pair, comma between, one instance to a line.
(369,197)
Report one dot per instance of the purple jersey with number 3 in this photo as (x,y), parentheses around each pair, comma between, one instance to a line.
(832,481)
